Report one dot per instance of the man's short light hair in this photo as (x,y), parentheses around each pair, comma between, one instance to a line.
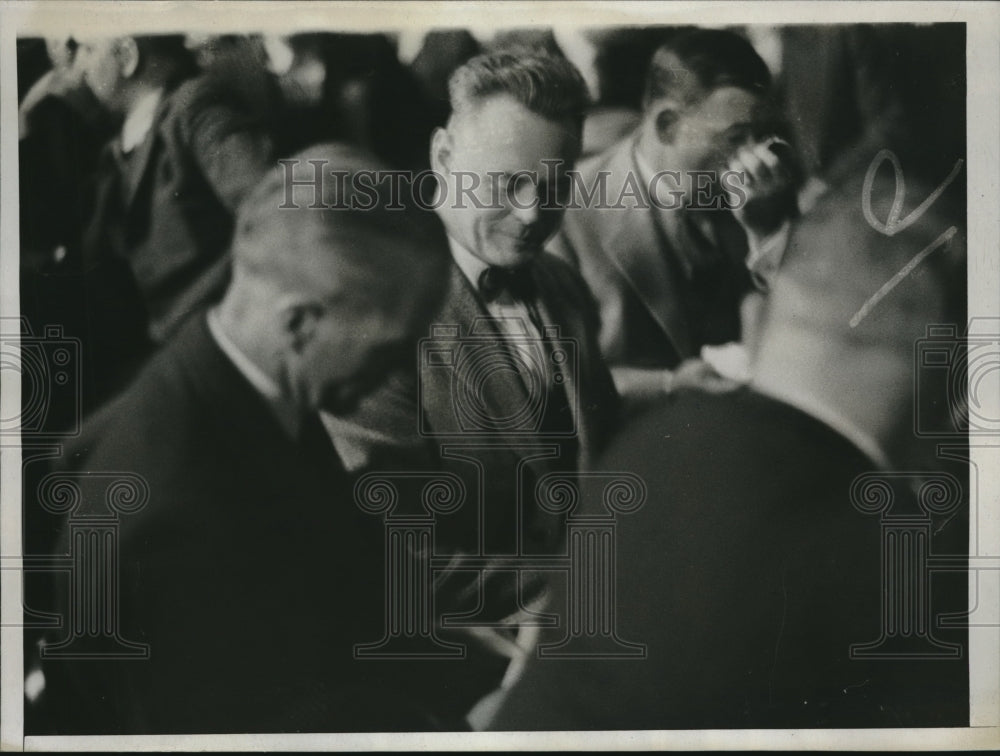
(545,83)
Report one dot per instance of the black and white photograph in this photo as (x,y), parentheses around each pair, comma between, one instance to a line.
(500,375)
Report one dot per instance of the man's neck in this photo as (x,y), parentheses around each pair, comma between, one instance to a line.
(651,156)
(252,364)
(855,395)
(231,328)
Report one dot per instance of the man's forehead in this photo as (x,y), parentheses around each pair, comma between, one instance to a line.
(725,105)
(501,123)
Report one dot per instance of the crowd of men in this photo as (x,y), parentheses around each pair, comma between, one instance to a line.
(261,339)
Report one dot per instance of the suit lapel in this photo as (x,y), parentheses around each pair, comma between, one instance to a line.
(552,309)
(505,389)
(503,394)
(139,165)
(640,252)
(107,191)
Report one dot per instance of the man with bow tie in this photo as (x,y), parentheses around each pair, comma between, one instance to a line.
(502,162)
(511,385)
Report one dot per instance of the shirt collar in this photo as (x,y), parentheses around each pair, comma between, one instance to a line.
(470,265)
(285,412)
(140,119)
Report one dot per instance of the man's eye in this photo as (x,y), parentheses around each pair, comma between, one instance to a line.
(521,183)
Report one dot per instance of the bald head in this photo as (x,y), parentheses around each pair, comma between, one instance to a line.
(850,303)
(303,239)
(325,294)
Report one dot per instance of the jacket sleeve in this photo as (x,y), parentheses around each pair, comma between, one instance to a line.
(230,147)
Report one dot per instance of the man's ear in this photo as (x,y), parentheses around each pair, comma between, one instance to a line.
(666,114)
(441,142)
(127,53)
(298,321)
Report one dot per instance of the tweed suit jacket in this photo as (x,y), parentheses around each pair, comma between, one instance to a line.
(635,274)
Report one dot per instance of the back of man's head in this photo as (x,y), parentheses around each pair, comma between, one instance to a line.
(855,294)
(543,82)
(334,281)
(299,237)
(694,62)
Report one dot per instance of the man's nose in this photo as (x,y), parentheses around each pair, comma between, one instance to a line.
(525,202)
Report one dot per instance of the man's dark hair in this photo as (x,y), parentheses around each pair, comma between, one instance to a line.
(545,83)
(695,62)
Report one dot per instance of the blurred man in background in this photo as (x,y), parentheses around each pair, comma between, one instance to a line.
(62,128)
(669,255)
(167,187)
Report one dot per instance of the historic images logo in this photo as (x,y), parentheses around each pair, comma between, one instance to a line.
(49,369)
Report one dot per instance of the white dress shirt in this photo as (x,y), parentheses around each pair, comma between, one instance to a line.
(139,120)
(512,317)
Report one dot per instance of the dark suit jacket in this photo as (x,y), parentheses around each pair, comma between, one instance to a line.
(747,574)
(421,410)
(565,304)
(64,130)
(249,572)
(170,216)
(635,275)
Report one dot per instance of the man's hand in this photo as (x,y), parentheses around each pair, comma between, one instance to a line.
(698,374)
(498,592)
(768,187)
(641,385)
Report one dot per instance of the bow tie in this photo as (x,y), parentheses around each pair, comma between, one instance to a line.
(495,280)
